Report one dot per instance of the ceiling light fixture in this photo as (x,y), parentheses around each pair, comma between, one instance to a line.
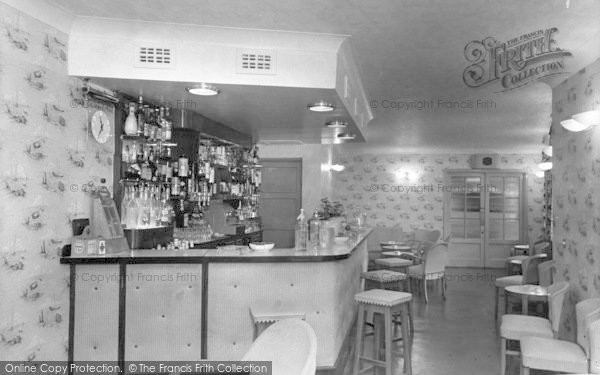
(545,165)
(346,136)
(336,124)
(336,167)
(203,89)
(321,106)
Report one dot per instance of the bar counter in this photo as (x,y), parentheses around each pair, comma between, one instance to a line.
(195,304)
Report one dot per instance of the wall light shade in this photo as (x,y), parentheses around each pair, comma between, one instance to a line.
(547,151)
(573,125)
(203,89)
(321,106)
(545,165)
(337,167)
(540,174)
(589,118)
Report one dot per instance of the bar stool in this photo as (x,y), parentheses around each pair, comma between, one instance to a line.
(389,280)
(263,318)
(386,303)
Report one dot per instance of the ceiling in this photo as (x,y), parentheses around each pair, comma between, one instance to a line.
(411,51)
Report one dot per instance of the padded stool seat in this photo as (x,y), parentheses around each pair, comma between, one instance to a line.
(393,262)
(263,318)
(553,355)
(385,303)
(383,276)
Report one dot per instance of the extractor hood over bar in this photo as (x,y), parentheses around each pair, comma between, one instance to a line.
(111,50)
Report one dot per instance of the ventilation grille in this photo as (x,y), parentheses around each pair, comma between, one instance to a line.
(251,61)
(153,56)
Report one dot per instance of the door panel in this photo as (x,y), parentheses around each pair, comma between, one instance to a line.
(485,213)
(463,204)
(505,216)
(280,199)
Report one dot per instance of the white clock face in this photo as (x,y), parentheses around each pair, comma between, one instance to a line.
(101,127)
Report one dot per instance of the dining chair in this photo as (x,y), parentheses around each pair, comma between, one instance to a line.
(540,248)
(565,356)
(546,272)
(514,327)
(433,267)
(423,239)
(529,276)
(379,235)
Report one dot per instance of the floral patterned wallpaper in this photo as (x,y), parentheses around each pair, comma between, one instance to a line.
(363,184)
(47,160)
(575,189)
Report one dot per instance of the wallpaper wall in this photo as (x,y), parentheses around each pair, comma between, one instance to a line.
(575,189)
(363,183)
(47,161)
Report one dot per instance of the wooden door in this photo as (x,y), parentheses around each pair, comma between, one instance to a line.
(505,215)
(485,213)
(280,199)
(464,210)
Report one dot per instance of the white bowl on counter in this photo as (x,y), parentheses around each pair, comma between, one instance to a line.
(261,247)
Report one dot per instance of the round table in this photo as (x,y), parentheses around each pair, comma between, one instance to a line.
(525,291)
(519,261)
(396,249)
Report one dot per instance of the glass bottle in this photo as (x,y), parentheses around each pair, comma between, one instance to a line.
(301,237)
(132,210)
(131,126)
(124,204)
(314,227)
(168,125)
(139,115)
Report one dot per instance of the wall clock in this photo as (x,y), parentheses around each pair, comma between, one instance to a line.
(101,126)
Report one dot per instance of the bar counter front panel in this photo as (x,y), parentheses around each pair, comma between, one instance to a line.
(195,304)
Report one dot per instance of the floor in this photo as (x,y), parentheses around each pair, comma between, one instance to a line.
(456,336)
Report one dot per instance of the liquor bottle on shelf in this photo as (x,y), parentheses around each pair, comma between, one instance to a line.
(139,115)
(131,121)
(168,125)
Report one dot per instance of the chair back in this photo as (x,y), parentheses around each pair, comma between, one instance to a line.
(383,234)
(546,272)
(556,298)
(529,268)
(585,312)
(435,259)
(540,247)
(291,345)
(594,334)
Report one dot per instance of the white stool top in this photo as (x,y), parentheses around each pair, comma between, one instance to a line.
(382,297)
(393,262)
(265,315)
(383,276)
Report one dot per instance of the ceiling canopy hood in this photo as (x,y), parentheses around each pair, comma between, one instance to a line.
(295,69)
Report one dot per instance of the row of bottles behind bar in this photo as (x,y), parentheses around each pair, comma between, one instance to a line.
(146,207)
(150,174)
(151,122)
